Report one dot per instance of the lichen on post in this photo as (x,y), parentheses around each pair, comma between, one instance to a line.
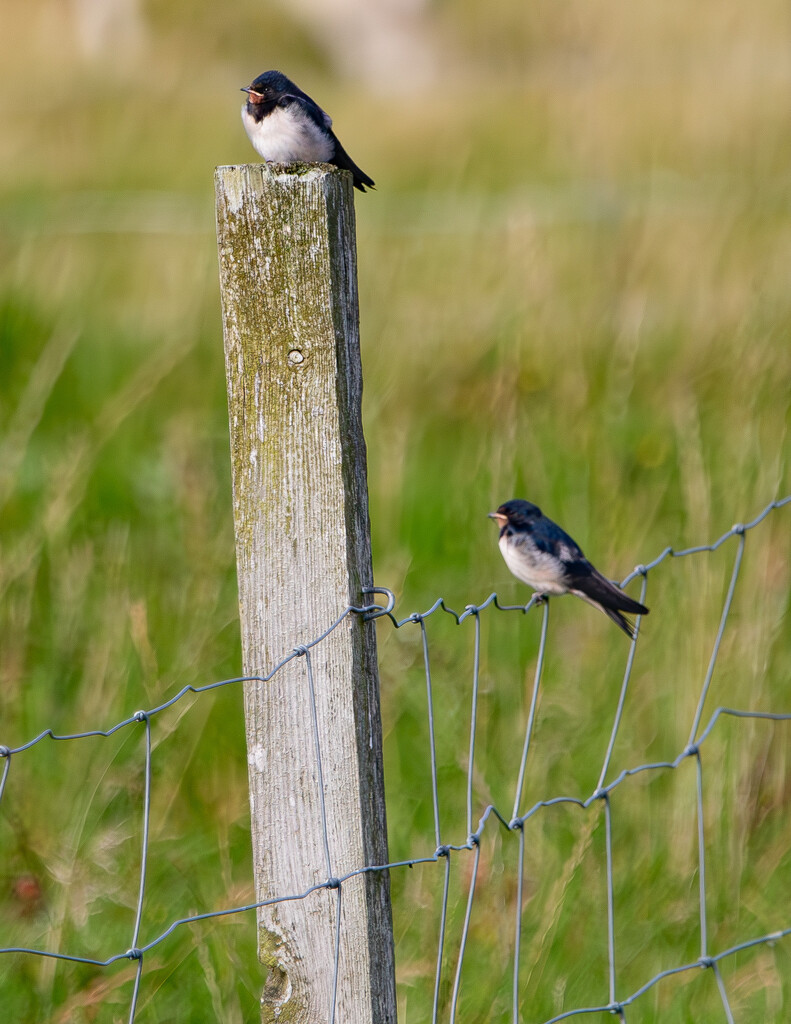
(287,252)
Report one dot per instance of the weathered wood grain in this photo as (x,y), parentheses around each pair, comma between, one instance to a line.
(290,320)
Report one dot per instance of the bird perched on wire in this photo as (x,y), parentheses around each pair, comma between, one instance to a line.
(542,555)
(285,125)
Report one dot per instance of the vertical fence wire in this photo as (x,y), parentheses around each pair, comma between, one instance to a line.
(520,881)
(443,918)
(464,932)
(723,994)
(704,938)
(610,895)
(143,717)
(532,713)
(476,667)
(6,755)
(622,697)
(136,989)
(337,952)
(432,740)
(332,882)
(305,652)
(737,564)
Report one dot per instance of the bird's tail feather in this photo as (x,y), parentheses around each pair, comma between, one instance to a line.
(344,161)
(620,620)
(598,591)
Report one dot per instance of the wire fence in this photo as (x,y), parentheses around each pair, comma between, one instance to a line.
(513,823)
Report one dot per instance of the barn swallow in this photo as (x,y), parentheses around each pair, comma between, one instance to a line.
(285,125)
(542,555)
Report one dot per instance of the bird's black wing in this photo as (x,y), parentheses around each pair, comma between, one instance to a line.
(323,120)
(308,104)
(345,162)
(550,538)
(590,582)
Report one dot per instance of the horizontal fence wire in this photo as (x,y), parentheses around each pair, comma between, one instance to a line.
(513,824)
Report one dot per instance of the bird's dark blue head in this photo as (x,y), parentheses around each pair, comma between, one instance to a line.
(270,87)
(516,514)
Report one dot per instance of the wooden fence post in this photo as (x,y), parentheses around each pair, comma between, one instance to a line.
(290,322)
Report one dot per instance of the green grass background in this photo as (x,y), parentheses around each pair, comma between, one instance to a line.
(574,282)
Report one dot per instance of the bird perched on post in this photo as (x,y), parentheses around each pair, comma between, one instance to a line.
(542,555)
(285,125)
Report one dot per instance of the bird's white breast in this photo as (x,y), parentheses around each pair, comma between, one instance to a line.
(286,135)
(538,569)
